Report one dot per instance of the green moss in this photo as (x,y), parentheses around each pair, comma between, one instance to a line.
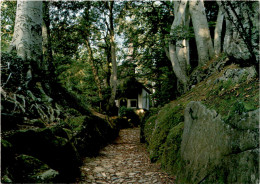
(171,149)
(149,127)
(6,179)
(5,143)
(60,141)
(76,122)
(230,99)
(166,119)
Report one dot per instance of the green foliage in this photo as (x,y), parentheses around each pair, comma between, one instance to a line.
(165,86)
(123,111)
(146,26)
(8,9)
(152,111)
(73,112)
(76,123)
(181,33)
(78,77)
(13,71)
(128,87)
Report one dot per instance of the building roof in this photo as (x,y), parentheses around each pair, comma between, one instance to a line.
(130,88)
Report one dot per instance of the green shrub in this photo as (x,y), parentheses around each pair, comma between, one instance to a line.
(131,116)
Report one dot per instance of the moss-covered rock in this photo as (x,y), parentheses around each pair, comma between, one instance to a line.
(163,123)
(171,151)
(153,111)
(7,152)
(93,134)
(61,147)
(208,143)
(57,152)
(47,176)
(234,138)
(31,170)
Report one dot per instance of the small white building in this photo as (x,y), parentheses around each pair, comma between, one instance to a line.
(137,99)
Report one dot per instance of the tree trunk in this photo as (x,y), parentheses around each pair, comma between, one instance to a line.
(179,54)
(201,30)
(46,41)
(113,80)
(180,74)
(27,39)
(94,69)
(218,31)
(182,46)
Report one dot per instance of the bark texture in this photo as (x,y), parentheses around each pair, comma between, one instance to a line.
(179,54)
(113,79)
(218,31)
(201,30)
(27,39)
(47,64)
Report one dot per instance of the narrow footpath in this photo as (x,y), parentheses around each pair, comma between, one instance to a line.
(125,161)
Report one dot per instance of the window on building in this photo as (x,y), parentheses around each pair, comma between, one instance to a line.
(133,103)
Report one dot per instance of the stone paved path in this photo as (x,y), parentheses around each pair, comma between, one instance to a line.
(124,161)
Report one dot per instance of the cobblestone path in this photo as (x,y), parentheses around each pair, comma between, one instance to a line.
(124,161)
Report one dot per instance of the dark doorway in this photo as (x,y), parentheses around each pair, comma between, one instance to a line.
(123,102)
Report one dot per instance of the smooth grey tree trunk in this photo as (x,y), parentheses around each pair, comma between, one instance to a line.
(182,46)
(179,54)
(201,29)
(218,31)
(27,39)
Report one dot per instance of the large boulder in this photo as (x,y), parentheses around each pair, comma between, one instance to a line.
(23,168)
(238,75)
(56,151)
(92,134)
(31,170)
(216,150)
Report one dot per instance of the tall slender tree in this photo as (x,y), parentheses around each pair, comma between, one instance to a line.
(113,79)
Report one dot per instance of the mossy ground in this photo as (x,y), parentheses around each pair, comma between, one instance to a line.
(163,130)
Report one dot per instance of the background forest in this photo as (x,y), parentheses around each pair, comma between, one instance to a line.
(86,43)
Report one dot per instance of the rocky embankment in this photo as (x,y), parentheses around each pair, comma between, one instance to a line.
(44,139)
(211,133)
